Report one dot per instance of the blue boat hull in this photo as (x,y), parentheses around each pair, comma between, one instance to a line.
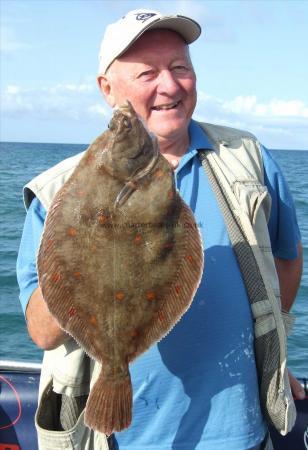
(18,401)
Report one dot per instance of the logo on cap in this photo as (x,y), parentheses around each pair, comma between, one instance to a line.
(144,16)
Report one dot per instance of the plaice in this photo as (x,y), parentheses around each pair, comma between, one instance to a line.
(120,259)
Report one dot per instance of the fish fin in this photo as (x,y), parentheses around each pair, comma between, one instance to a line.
(124,193)
(109,406)
(183,287)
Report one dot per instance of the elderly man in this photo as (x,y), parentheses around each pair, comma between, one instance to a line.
(200,387)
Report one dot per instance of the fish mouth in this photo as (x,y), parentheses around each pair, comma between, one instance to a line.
(166,106)
(121,120)
(126,109)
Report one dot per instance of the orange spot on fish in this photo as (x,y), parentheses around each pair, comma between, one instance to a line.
(93,248)
(177,289)
(90,158)
(50,243)
(80,194)
(188,225)
(170,194)
(72,232)
(189,258)
(56,277)
(134,333)
(77,274)
(72,311)
(138,239)
(102,219)
(150,295)
(119,295)
(161,316)
(93,320)
(159,173)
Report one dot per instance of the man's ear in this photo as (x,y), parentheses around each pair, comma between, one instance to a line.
(106,89)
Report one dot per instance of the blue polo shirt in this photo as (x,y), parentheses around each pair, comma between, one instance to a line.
(197,388)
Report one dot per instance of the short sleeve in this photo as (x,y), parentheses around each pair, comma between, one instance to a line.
(26,261)
(283,227)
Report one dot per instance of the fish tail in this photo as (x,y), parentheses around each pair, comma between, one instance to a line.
(109,406)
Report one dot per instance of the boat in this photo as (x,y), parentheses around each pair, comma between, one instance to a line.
(19,382)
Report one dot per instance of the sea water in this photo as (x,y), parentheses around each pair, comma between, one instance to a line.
(19,162)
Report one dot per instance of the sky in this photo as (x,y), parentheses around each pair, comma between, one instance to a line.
(251,63)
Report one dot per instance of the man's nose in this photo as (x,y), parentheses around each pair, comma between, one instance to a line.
(167,83)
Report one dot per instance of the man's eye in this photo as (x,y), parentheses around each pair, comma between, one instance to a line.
(180,69)
(146,74)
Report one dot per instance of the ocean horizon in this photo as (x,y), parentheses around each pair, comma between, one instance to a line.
(87,144)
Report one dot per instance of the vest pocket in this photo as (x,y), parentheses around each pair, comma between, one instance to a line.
(251,194)
(59,421)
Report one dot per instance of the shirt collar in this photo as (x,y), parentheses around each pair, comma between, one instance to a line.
(197,141)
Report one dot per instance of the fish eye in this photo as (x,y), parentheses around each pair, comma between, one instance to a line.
(111,125)
(127,123)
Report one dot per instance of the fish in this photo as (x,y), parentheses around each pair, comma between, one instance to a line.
(120,259)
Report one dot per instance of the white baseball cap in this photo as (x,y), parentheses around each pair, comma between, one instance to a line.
(120,35)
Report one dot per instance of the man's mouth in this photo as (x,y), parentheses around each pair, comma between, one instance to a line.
(166,106)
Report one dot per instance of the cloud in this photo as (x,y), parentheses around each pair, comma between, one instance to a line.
(274,108)
(99,110)
(71,87)
(278,123)
(65,101)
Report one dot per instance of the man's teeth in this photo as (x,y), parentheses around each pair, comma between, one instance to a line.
(165,107)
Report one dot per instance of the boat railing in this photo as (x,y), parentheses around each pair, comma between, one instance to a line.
(19,366)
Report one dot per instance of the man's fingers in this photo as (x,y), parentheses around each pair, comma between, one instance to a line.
(296,388)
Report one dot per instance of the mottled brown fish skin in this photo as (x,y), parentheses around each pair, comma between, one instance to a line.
(120,259)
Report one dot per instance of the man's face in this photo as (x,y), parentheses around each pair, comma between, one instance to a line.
(157,77)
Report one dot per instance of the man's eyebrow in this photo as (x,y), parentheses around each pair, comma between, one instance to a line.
(184,58)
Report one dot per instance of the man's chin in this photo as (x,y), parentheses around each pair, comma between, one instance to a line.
(169,130)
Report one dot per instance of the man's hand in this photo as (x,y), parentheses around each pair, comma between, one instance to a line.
(289,274)
(296,388)
(42,327)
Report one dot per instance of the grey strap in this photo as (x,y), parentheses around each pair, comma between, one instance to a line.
(249,267)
